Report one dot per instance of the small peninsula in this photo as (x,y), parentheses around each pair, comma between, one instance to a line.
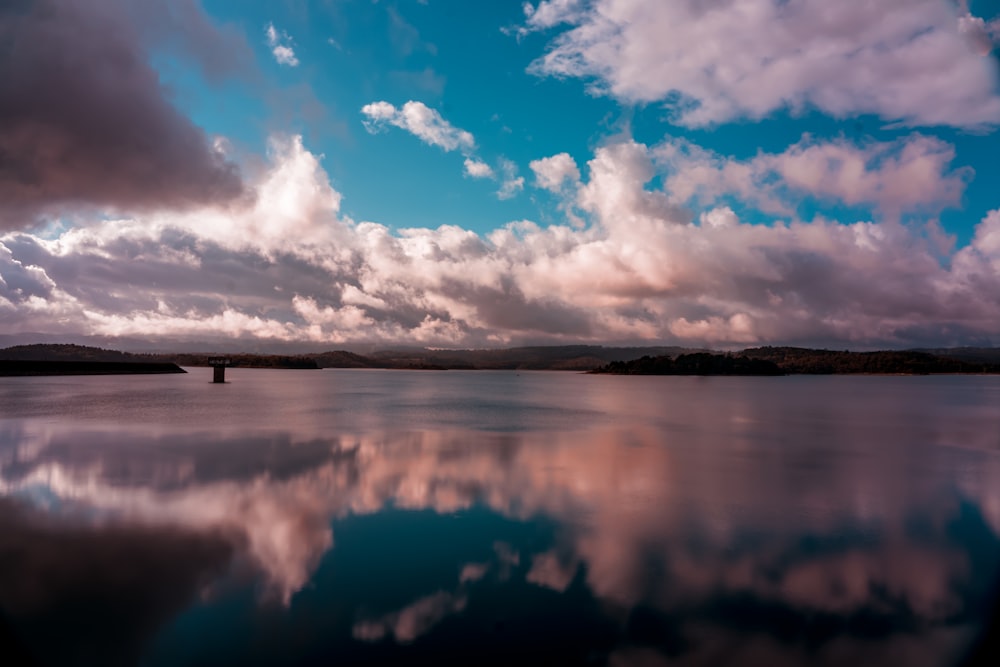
(24,367)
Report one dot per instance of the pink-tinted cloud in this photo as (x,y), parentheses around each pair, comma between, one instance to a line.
(909,174)
(711,62)
(648,267)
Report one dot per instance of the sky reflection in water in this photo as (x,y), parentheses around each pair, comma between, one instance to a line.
(371,517)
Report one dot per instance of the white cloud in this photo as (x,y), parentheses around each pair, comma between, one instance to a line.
(280,43)
(552,172)
(550,13)
(911,173)
(511,184)
(420,120)
(477,168)
(904,60)
(982,36)
(647,267)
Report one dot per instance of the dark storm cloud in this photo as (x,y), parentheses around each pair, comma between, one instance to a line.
(84,120)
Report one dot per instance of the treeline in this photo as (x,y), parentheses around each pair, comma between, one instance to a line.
(83,353)
(618,360)
(699,363)
(564,357)
(31,367)
(239,360)
(799,360)
(65,352)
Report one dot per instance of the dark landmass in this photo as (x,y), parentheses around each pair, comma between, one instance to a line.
(240,360)
(797,360)
(699,363)
(23,367)
(620,360)
(63,352)
(559,357)
(566,357)
(989,355)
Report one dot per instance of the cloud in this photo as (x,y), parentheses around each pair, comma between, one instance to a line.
(673,265)
(473,572)
(655,530)
(280,43)
(550,13)
(981,35)
(904,60)
(552,172)
(411,621)
(477,168)
(551,571)
(510,184)
(404,37)
(905,175)
(425,81)
(421,121)
(120,144)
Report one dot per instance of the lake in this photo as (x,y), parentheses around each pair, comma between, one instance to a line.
(359,517)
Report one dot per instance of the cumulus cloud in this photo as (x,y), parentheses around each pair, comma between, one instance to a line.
(420,120)
(549,13)
(552,172)
(982,35)
(664,265)
(281,43)
(477,168)
(904,60)
(908,174)
(69,141)
(510,183)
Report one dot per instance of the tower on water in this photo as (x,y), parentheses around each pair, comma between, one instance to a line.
(218,369)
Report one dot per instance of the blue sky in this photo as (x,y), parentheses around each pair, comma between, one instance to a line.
(494,173)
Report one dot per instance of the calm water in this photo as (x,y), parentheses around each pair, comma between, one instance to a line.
(394,517)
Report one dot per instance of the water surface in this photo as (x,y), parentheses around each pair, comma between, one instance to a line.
(465,517)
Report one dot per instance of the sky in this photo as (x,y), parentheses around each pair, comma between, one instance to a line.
(442,173)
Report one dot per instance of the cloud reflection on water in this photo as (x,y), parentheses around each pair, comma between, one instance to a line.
(793,555)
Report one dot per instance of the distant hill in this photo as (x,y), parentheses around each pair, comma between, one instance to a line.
(64,352)
(342,359)
(241,360)
(988,355)
(560,357)
(699,363)
(556,357)
(822,362)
